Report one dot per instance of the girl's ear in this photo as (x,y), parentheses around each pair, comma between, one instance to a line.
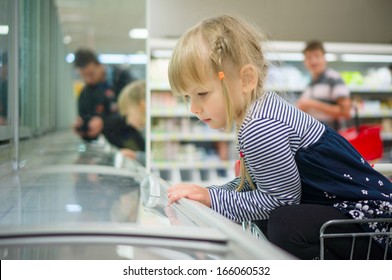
(142,105)
(248,76)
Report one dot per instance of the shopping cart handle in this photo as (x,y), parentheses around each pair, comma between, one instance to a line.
(383,168)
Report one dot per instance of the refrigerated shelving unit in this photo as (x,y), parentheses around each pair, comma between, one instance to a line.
(287,61)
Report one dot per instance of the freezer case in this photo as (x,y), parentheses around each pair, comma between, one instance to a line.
(89,203)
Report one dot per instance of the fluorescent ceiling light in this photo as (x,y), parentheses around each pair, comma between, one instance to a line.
(161,53)
(67,39)
(337,48)
(366,58)
(269,55)
(351,48)
(113,58)
(137,59)
(284,56)
(295,56)
(138,33)
(73,208)
(331,57)
(4,29)
(283,46)
(123,58)
(70,58)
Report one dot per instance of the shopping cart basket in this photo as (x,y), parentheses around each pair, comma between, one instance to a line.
(354,236)
(366,139)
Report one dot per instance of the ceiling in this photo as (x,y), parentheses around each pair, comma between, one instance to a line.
(355,21)
(102,25)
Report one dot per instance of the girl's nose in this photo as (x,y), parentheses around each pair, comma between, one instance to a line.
(195,108)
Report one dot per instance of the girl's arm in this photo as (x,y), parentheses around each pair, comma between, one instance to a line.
(199,193)
(268,149)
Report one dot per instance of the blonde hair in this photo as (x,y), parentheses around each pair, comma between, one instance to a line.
(132,94)
(217,45)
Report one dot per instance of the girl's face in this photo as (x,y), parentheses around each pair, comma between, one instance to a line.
(208,103)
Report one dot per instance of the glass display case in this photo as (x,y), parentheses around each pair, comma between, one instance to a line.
(84,201)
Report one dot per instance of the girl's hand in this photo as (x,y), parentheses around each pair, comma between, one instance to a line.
(191,191)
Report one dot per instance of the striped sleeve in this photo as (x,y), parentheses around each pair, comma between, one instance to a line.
(269,138)
(232,185)
(271,164)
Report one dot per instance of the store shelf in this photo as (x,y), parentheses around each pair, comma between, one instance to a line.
(353,89)
(161,47)
(386,136)
(376,115)
(200,176)
(174,124)
(171,112)
(157,87)
(370,90)
(198,137)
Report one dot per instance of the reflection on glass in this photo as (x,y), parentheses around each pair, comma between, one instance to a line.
(106,198)
(3,88)
(49,84)
(41,70)
(4,48)
(150,191)
(109,82)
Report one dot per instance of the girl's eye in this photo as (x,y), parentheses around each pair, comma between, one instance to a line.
(187,97)
(202,93)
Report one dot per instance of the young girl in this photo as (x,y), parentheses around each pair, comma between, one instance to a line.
(296,172)
(132,106)
(126,131)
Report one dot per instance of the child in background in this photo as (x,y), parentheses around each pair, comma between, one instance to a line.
(126,131)
(296,172)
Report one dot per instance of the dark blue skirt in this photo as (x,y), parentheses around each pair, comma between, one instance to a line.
(333,173)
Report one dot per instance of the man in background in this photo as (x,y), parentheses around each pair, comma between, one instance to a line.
(97,101)
(326,98)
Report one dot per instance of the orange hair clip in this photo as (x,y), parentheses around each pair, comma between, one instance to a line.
(221,75)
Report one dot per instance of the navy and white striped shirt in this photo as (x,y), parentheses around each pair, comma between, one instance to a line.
(271,134)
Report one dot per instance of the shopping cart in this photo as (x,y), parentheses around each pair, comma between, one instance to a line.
(354,236)
(386,170)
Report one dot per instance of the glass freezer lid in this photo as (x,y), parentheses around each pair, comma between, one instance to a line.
(55,211)
(72,195)
(78,155)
